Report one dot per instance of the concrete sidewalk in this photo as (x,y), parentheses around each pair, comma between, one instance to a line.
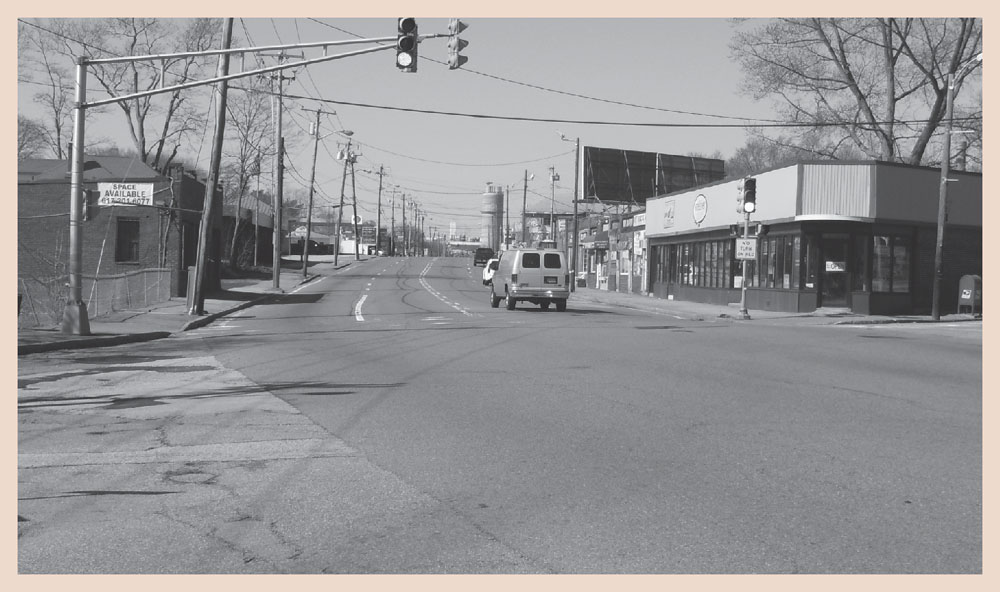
(166,318)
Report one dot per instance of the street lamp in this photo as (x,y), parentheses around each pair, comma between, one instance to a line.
(576,223)
(943,190)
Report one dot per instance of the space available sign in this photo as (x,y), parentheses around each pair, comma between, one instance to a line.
(125,194)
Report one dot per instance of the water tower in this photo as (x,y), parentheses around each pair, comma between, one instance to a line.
(491,233)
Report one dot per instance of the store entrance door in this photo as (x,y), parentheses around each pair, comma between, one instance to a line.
(834,291)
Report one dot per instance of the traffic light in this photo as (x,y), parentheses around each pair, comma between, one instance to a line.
(455,44)
(750,195)
(406,44)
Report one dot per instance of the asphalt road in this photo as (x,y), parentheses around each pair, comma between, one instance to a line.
(445,436)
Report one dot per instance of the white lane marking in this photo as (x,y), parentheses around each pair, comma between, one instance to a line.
(436,294)
(357,309)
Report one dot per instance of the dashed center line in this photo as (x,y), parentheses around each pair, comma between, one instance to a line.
(357,309)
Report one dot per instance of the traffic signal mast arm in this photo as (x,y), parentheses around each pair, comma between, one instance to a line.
(270,69)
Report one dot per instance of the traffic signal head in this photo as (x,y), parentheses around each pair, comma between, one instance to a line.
(750,195)
(455,44)
(406,44)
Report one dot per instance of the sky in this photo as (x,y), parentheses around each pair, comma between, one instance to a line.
(557,68)
(554,66)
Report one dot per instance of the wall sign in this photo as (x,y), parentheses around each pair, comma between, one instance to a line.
(125,194)
(668,214)
(700,208)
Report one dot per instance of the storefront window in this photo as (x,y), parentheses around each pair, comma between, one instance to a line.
(859,276)
(727,256)
(812,262)
(778,256)
(882,264)
(900,265)
(796,263)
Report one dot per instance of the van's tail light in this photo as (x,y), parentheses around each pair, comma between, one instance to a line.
(513,278)
(567,280)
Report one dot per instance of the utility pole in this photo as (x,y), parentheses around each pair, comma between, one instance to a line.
(221,91)
(524,208)
(506,230)
(405,242)
(309,210)
(378,212)
(576,220)
(354,212)
(553,177)
(279,172)
(340,210)
(392,223)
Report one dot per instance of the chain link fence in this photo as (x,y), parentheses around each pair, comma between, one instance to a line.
(41,301)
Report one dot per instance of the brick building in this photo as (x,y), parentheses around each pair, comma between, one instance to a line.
(139,235)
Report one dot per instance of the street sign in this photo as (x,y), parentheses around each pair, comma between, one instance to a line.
(746,248)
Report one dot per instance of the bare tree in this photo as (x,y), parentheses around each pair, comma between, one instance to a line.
(159,124)
(251,144)
(876,85)
(30,138)
(39,63)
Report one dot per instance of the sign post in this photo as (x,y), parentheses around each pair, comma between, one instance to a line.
(746,249)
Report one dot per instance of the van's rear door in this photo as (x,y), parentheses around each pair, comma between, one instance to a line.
(553,272)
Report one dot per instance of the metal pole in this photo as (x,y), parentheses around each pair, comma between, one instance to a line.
(405,241)
(378,212)
(278,200)
(256,215)
(524,207)
(309,211)
(340,210)
(942,206)
(552,206)
(354,213)
(576,222)
(75,319)
(506,230)
(743,293)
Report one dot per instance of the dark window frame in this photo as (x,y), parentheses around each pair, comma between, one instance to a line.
(127,243)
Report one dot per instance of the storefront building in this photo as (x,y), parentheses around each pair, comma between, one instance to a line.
(858,236)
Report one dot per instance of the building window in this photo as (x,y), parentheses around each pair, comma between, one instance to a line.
(890,264)
(796,262)
(127,242)
(859,277)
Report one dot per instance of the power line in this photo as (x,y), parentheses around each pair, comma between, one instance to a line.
(556,91)
(785,125)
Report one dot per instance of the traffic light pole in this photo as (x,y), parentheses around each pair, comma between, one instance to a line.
(744,314)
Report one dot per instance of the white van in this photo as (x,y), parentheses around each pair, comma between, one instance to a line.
(539,276)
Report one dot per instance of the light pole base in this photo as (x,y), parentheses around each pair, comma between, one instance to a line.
(75,320)
(744,315)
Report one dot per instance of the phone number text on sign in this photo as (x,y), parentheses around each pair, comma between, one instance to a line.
(125,194)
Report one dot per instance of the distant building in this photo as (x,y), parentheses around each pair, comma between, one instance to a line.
(139,235)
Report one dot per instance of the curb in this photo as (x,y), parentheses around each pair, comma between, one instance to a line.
(35,348)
